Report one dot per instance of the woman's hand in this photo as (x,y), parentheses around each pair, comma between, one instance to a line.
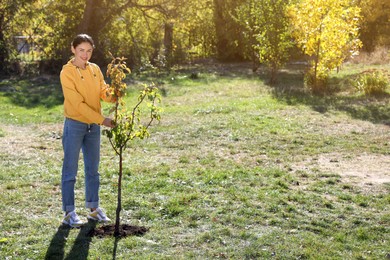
(108,122)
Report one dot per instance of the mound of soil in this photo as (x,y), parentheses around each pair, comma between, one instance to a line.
(124,231)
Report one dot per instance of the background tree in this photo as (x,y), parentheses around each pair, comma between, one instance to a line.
(193,29)
(141,34)
(328,32)
(8,9)
(249,27)
(266,28)
(99,14)
(50,28)
(196,30)
(229,39)
(375,24)
(165,32)
(154,38)
(60,21)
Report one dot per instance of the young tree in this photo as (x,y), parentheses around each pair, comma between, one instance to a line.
(326,30)
(129,123)
(266,26)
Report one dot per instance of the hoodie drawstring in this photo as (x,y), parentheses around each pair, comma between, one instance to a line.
(90,69)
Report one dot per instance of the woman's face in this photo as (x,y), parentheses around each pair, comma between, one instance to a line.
(82,52)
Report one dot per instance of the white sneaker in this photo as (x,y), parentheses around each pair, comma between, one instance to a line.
(72,220)
(98,215)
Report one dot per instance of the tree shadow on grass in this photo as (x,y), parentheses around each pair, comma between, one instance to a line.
(115,248)
(290,89)
(80,248)
(30,93)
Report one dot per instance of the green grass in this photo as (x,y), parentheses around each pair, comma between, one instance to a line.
(236,169)
(30,101)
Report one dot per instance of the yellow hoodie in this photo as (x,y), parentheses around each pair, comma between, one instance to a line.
(83,89)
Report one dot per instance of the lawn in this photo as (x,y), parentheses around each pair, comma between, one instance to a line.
(236,169)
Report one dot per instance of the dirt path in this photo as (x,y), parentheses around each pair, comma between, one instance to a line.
(28,142)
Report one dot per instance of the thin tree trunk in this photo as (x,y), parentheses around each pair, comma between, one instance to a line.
(274,70)
(220,25)
(168,43)
(119,203)
(317,58)
(4,54)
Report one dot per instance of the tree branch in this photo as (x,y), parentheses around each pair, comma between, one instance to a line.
(131,4)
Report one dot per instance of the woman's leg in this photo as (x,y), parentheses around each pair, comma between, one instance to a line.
(72,139)
(91,152)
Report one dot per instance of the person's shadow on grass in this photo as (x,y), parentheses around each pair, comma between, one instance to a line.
(57,243)
(80,247)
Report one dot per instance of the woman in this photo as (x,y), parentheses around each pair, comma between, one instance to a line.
(83,87)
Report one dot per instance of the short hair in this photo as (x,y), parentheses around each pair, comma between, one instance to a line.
(80,38)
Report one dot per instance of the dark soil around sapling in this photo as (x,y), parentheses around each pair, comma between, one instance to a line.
(124,231)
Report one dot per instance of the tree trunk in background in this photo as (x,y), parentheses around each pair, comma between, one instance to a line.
(220,28)
(168,43)
(3,53)
(92,23)
(100,13)
(229,39)
(88,12)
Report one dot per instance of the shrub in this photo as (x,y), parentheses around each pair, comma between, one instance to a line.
(317,82)
(372,83)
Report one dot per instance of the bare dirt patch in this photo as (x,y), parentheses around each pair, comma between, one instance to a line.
(28,142)
(364,170)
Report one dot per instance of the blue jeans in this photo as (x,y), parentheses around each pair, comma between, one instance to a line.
(80,136)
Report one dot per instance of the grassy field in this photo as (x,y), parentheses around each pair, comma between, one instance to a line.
(236,169)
